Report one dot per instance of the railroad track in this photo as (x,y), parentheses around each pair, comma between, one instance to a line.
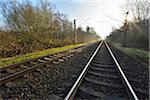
(103,78)
(14,71)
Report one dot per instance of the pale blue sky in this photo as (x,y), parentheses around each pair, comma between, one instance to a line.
(95,10)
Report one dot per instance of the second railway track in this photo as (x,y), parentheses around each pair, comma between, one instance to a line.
(14,71)
(103,78)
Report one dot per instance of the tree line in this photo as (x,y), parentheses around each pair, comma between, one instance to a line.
(134,33)
(30,27)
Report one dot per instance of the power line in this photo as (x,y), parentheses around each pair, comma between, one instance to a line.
(84,21)
(114,19)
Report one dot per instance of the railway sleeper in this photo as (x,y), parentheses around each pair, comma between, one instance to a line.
(103,75)
(41,60)
(48,59)
(102,69)
(102,65)
(103,83)
(99,95)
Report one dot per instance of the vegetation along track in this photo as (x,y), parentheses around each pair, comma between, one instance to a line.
(16,70)
(103,78)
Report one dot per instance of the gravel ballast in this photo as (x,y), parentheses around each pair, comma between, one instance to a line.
(136,71)
(49,82)
(53,82)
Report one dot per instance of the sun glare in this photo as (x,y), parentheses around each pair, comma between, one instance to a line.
(130,17)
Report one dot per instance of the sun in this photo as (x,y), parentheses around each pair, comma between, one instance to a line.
(130,17)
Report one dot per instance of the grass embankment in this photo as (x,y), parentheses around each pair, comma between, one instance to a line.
(11,60)
(136,53)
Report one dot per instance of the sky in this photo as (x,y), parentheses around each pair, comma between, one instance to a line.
(100,14)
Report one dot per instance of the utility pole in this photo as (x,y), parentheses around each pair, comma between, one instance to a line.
(126,27)
(75,35)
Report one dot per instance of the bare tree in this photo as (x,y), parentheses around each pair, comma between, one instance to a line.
(36,26)
(139,8)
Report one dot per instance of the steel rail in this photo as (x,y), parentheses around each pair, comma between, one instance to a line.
(121,72)
(34,59)
(73,90)
(30,69)
(21,73)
